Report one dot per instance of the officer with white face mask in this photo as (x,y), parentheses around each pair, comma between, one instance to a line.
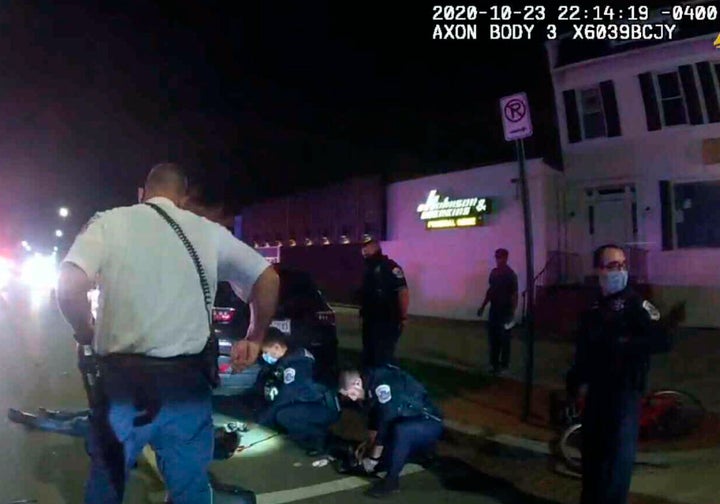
(615,340)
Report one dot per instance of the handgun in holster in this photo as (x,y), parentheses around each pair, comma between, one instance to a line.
(89,367)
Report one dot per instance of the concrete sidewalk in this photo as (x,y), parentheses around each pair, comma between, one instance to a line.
(692,365)
(692,472)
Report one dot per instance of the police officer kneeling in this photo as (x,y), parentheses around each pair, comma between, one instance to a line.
(615,340)
(302,407)
(402,421)
(152,333)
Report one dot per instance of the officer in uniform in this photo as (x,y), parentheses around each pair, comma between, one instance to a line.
(402,421)
(384,305)
(152,332)
(615,340)
(302,407)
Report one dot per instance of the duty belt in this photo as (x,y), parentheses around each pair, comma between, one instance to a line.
(128,360)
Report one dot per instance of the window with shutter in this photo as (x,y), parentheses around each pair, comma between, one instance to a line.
(592,113)
(710,89)
(673,109)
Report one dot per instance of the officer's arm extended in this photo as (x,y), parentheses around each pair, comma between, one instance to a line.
(263,304)
(81,264)
(380,418)
(648,333)
(252,279)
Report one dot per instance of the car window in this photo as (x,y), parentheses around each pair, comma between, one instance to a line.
(225,295)
(298,294)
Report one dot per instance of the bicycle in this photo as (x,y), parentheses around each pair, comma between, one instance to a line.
(664,414)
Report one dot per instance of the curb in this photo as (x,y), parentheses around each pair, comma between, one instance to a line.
(658,459)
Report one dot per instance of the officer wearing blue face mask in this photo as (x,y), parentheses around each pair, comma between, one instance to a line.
(615,340)
(302,407)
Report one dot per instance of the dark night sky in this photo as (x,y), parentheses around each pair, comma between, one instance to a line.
(259,99)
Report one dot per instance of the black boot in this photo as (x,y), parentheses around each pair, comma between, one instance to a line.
(384,488)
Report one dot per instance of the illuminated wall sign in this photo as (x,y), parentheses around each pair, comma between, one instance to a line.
(272,254)
(447,214)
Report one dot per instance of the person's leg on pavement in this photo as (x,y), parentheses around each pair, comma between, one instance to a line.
(183,438)
(625,447)
(597,447)
(494,337)
(386,338)
(409,436)
(504,356)
(307,424)
(106,481)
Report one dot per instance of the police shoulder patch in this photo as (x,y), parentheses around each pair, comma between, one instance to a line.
(652,311)
(383,393)
(398,272)
(289,376)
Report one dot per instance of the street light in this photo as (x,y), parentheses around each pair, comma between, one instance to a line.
(59,233)
(63,212)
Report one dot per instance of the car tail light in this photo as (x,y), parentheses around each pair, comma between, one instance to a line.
(326,317)
(223,315)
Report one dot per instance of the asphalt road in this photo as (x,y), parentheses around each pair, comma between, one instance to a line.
(37,365)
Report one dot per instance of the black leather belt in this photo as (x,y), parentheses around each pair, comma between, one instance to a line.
(129,360)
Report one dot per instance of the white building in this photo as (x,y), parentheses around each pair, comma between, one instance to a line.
(640,133)
(447,269)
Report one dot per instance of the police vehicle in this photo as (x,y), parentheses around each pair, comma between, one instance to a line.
(303,314)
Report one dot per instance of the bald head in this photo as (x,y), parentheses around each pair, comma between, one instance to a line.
(166,180)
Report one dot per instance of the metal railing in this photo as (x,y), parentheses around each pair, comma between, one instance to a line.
(560,268)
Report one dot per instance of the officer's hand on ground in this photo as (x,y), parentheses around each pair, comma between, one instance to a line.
(244,353)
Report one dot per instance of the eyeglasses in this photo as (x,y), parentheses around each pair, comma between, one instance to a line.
(615,266)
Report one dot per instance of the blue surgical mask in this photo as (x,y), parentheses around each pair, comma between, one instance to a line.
(613,282)
(269,358)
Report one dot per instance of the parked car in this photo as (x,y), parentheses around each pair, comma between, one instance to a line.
(302,312)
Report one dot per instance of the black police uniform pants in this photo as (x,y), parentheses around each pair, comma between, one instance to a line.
(499,342)
(307,424)
(611,423)
(379,338)
(408,437)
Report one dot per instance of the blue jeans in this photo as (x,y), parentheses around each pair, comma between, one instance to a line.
(409,436)
(169,410)
(611,423)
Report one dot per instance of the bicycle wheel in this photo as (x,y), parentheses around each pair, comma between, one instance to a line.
(681,413)
(571,446)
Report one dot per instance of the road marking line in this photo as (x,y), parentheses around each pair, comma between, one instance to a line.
(330,487)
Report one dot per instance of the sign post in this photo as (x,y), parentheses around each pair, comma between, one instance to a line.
(517,126)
